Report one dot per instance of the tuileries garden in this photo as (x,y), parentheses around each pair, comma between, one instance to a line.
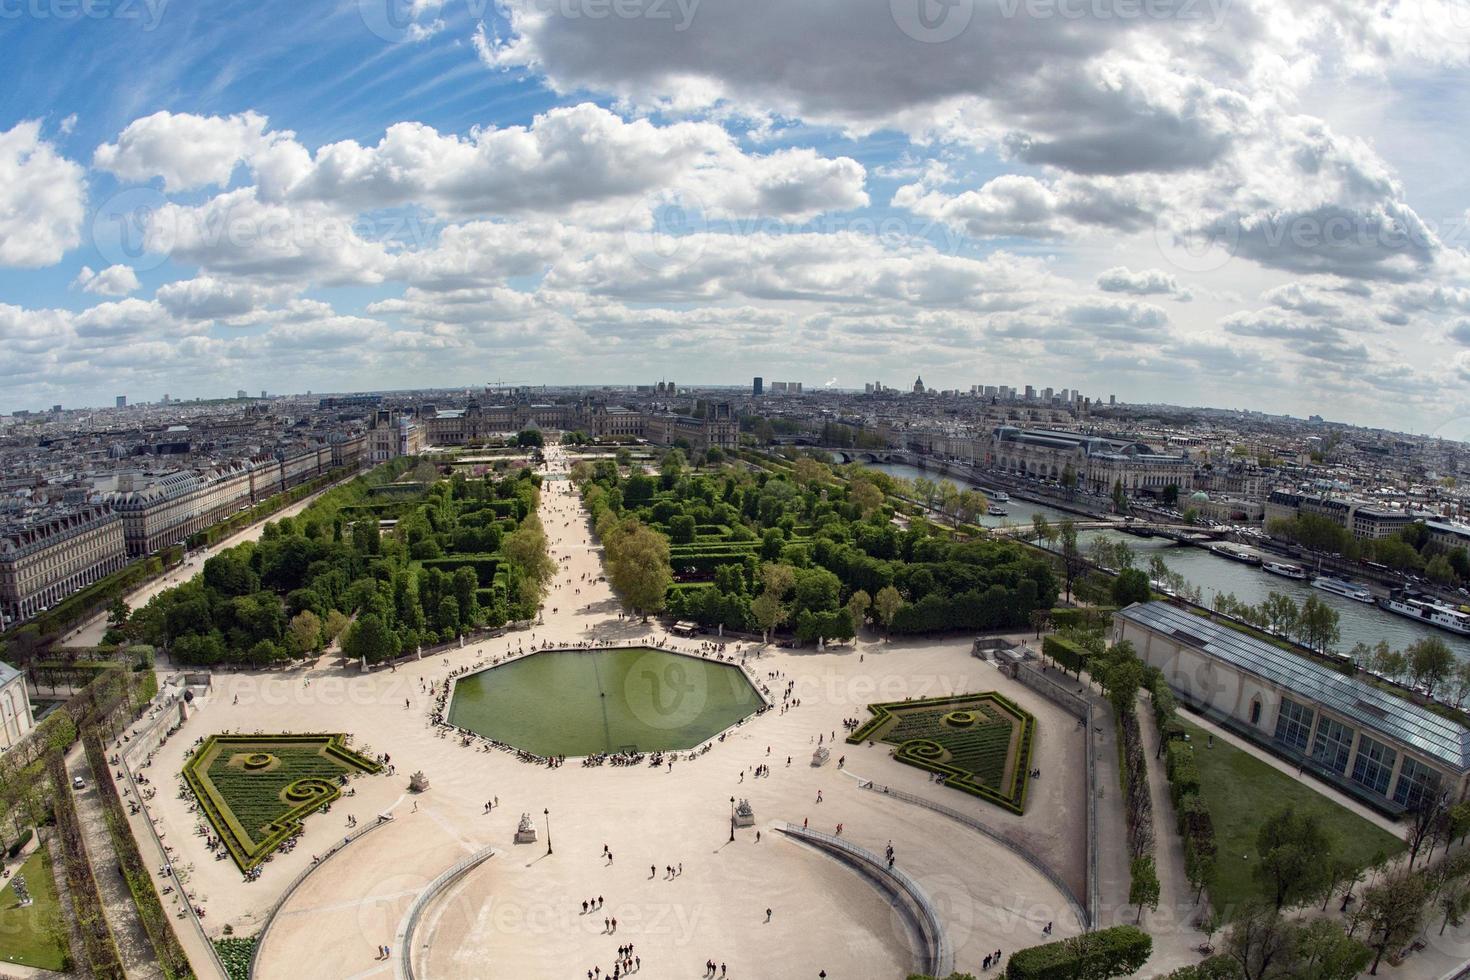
(569,710)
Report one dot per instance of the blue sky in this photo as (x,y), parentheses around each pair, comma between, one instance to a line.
(1223,203)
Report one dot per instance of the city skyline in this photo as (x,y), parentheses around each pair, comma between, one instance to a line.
(1223,204)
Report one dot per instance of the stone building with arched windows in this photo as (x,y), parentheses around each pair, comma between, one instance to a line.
(1099,463)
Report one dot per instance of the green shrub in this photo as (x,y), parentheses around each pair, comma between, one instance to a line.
(1070,655)
(20,843)
(1114,952)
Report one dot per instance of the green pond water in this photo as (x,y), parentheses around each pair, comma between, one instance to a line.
(582,702)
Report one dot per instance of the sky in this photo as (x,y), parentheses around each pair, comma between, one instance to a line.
(1236,203)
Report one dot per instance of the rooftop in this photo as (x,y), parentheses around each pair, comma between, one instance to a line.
(1376,710)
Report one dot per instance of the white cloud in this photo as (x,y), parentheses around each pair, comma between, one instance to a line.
(115,280)
(186,150)
(42,199)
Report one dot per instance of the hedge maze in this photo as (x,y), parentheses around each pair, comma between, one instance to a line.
(256,789)
(980,743)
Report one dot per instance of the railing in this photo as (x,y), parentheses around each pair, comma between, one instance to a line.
(938,958)
(1084,918)
(415,911)
(270,917)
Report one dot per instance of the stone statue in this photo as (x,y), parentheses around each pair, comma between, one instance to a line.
(820,757)
(744,815)
(525,833)
(18,885)
(418,782)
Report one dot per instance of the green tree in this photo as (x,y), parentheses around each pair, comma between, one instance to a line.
(1393,910)
(681,529)
(1073,562)
(1318,625)
(1130,586)
(1122,680)
(1430,662)
(304,633)
(857,606)
(886,604)
(638,566)
(1120,497)
(370,639)
(1295,852)
(1143,887)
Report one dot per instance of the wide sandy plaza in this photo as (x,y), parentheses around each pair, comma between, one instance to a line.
(649,846)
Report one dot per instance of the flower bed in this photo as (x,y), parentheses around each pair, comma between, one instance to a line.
(255,809)
(980,743)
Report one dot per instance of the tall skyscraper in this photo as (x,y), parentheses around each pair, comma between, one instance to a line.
(122,401)
(758,387)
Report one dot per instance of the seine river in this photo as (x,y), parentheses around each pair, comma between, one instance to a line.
(1212,574)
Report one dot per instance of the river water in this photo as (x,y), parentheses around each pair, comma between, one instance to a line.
(1358,621)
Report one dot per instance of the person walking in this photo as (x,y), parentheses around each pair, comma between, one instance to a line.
(768,915)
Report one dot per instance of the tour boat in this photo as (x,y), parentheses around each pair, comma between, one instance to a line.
(1235,554)
(999,496)
(1426,610)
(1343,587)
(1285,570)
(995,511)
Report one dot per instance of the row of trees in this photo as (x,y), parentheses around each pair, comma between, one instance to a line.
(1408,549)
(299,587)
(1312,622)
(742,537)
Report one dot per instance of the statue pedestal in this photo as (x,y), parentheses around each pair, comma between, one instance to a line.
(525,832)
(820,757)
(744,815)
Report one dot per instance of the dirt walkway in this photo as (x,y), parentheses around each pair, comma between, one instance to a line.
(117,901)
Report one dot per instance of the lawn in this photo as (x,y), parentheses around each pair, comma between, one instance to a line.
(32,936)
(1241,791)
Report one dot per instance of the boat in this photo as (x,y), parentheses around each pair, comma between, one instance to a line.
(1235,554)
(1342,587)
(1285,570)
(995,511)
(999,496)
(1426,610)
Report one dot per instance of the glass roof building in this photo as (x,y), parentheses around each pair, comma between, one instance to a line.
(1372,743)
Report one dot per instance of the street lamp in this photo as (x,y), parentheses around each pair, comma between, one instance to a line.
(732,819)
(547,814)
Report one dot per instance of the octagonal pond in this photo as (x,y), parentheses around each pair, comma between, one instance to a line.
(583,702)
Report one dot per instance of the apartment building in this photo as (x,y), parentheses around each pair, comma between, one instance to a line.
(43,561)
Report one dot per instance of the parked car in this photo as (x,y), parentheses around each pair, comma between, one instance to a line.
(78,782)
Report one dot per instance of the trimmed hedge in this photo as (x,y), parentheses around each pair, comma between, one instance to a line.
(1070,655)
(485,566)
(308,794)
(922,754)
(1067,617)
(1114,952)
